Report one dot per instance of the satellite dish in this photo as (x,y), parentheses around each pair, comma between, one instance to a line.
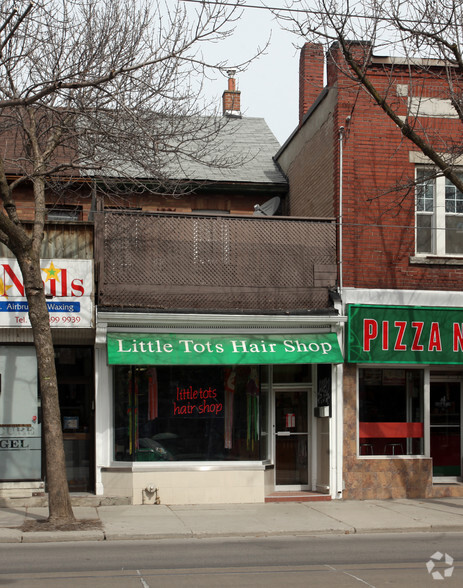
(268,208)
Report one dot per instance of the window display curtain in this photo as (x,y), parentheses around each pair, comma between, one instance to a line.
(230,380)
(252,396)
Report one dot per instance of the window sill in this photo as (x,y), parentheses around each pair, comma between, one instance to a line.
(435,260)
(389,457)
(186,466)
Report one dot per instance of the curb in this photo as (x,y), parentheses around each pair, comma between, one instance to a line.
(17,536)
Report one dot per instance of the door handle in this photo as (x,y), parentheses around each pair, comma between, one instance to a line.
(283,433)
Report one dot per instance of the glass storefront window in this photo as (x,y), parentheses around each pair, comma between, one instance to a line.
(391,412)
(297,373)
(191,413)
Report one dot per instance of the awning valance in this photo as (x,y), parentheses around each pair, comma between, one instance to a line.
(218,349)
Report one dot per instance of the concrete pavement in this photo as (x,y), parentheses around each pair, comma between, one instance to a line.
(127,522)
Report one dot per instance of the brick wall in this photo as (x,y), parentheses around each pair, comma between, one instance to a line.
(311,70)
(214,201)
(236,203)
(379,209)
(378,206)
(80,196)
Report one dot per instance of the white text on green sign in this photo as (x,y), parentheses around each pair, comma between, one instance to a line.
(176,349)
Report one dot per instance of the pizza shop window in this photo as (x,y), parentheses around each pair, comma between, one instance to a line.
(190,413)
(439,214)
(390,412)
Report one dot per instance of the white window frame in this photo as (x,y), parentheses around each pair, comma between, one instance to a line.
(439,215)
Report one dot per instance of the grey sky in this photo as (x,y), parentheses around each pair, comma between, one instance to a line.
(269,87)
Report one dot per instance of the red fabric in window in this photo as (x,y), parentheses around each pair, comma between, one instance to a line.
(386,430)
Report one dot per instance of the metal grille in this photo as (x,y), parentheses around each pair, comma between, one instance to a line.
(214,263)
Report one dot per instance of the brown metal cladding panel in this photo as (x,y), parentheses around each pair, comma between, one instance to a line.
(157,261)
(265,301)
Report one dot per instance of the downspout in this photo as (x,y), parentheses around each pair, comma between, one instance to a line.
(339,371)
(341,144)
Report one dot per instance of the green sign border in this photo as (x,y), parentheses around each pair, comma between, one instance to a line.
(220,349)
(444,317)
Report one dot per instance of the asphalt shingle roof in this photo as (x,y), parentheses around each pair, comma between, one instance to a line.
(249,145)
(229,149)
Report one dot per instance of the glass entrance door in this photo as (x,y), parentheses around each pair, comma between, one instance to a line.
(445,424)
(291,438)
(74,368)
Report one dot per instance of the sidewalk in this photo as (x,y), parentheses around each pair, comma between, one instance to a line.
(242,520)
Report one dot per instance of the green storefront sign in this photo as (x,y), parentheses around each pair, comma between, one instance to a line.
(404,334)
(205,349)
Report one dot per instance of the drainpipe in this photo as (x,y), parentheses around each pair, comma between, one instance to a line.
(339,371)
(341,142)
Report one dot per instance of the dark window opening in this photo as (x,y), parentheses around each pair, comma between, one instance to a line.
(189,413)
(391,412)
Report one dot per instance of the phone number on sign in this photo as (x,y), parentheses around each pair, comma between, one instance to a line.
(64,320)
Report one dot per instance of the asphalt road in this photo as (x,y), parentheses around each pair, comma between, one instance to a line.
(319,561)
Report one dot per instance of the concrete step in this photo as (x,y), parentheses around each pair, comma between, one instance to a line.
(298,496)
(454,490)
(77,499)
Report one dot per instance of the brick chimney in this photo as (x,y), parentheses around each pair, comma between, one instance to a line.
(231,97)
(311,70)
(361,52)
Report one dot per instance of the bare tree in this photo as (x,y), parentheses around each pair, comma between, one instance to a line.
(423,37)
(104,89)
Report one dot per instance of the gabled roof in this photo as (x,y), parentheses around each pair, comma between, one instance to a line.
(249,146)
(214,149)
(225,149)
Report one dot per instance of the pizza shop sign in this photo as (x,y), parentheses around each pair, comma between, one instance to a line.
(404,334)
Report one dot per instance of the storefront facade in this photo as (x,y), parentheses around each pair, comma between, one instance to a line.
(216,408)
(403,394)
(69,290)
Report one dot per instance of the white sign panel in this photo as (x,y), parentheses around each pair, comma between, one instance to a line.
(20,427)
(68,287)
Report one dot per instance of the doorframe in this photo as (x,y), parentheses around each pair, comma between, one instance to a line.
(308,387)
(448,377)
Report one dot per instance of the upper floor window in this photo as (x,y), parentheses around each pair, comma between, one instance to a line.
(439,215)
(63,212)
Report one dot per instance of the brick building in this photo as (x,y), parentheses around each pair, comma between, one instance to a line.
(400,262)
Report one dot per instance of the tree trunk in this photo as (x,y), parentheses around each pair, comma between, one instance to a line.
(59,502)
